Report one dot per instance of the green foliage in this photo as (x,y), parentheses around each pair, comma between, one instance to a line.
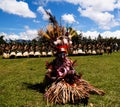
(2,40)
(17,74)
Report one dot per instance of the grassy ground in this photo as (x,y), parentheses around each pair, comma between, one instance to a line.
(17,76)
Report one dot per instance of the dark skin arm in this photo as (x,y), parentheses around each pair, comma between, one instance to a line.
(48,74)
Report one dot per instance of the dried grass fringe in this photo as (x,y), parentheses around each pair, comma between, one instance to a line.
(63,93)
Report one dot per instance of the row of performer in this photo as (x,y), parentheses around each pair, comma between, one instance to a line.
(27,50)
(30,54)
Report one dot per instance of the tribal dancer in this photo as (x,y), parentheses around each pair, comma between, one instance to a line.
(62,84)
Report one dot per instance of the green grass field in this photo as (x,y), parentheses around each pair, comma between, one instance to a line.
(18,75)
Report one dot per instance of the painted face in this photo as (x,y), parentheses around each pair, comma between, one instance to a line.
(62,55)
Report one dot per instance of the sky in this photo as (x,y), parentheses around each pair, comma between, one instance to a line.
(21,19)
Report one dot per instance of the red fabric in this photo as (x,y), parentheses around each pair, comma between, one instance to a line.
(62,46)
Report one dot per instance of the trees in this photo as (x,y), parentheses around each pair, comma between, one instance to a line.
(2,41)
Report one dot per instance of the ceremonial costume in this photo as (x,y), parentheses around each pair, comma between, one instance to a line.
(62,84)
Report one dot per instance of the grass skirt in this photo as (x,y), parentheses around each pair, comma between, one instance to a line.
(62,92)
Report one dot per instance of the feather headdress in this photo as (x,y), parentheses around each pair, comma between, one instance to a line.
(58,35)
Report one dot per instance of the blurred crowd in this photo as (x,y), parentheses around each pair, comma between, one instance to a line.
(22,50)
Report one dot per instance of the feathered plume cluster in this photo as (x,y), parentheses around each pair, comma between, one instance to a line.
(58,35)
